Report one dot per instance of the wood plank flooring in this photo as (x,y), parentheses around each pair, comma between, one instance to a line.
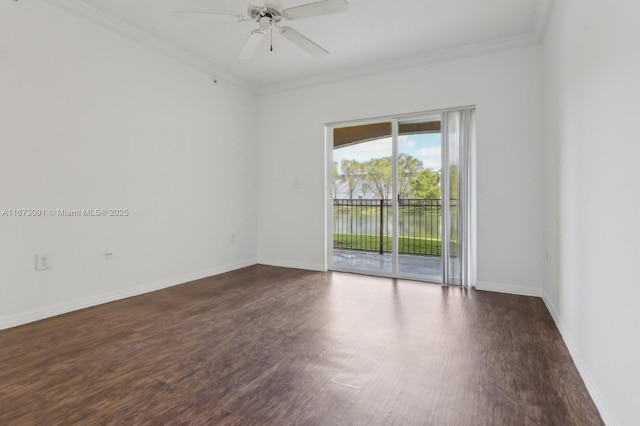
(276,346)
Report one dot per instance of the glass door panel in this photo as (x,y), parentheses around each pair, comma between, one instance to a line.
(419,165)
(362,185)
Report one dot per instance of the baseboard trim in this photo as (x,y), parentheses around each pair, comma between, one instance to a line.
(508,288)
(590,383)
(88,302)
(294,265)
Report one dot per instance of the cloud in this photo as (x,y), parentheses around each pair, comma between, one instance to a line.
(406,142)
(364,151)
(431,157)
(426,148)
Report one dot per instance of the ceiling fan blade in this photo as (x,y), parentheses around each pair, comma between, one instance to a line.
(303,42)
(251,45)
(318,8)
(210,16)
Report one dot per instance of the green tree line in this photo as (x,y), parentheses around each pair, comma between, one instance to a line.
(414,180)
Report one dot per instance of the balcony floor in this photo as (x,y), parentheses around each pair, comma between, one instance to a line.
(428,267)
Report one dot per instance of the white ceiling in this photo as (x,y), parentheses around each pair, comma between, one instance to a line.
(371,33)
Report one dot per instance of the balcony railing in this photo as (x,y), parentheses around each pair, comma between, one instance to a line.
(367,225)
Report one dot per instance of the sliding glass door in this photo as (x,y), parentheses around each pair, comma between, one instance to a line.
(401,197)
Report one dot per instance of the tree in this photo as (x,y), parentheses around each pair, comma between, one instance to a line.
(379,177)
(351,174)
(408,170)
(426,185)
(335,179)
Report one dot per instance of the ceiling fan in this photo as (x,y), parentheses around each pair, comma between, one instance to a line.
(268,14)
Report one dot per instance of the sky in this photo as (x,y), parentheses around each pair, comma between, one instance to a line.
(425,147)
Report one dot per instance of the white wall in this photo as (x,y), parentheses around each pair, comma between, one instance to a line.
(592,200)
(91,119)
(505,87)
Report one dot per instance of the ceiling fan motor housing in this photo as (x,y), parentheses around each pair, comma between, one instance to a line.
(256,13)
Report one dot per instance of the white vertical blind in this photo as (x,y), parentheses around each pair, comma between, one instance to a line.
(459,197)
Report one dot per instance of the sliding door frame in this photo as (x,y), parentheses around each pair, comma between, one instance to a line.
(445,213)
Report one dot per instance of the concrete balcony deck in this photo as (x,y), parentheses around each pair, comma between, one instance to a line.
(427,267)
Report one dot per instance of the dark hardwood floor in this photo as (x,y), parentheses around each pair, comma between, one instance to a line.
(267,345)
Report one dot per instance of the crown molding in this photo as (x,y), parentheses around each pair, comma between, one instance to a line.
(87,12)
(543,12)
(405,63)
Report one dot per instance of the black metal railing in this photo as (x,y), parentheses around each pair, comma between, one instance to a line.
(367,225)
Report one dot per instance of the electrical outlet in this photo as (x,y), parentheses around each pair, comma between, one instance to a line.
(43,261)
